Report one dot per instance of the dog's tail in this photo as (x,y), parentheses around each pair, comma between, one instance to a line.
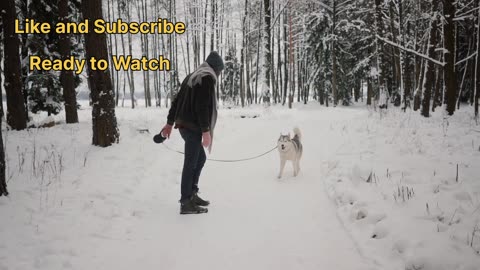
(297,133)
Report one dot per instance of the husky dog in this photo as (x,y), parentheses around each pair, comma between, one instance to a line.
(290,149)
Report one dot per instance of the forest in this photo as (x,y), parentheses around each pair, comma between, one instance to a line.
(417,55)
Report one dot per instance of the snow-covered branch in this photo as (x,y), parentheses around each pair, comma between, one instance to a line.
(466,59)
(411,51)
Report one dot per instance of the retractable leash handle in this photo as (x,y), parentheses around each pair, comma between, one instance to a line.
(159,137)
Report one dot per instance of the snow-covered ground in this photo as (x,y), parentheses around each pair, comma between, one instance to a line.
(75,206)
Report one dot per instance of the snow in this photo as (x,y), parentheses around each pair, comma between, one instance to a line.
(76,206)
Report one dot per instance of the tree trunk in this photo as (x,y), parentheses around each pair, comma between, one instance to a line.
(258,51)
(407,77)
(381,62)
(104,122)
(248,63)
(212,30)
(24,51)
(3,182)
(16,114)
(279,80)
(130,72)
(334,56)
(397,71)
(148,95)
(1,72)
(243,62)
(449,55)
(67,77)
(205,30)
(437,97)
(285,56)
(268,45)
(477,69)
(356,90)
(272,53)
(369,91)
(109,44)
(417,99)
(430,72)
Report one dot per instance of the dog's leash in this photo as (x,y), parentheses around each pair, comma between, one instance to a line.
(224,160)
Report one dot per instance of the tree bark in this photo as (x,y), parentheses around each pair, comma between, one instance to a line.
(104,122)
(1,72)
(407,76)
(334,55)
(3,182)
(369,91)
(212,30)
(285,56)
(258,51)
(477,69)
(268,44)
(16,114)
(430,72)
(397,70)
(449,55)
(130,52)
(66,77)
(381,61)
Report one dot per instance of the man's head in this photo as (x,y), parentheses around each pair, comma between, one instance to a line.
(215,61)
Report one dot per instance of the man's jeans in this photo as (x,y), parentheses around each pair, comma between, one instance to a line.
(194,160)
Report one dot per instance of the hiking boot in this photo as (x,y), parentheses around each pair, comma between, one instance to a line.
(189,207)
(199,201)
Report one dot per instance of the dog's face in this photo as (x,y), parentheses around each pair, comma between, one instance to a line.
(284,143)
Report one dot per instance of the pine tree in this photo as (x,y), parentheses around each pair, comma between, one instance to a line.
(44,87)
(231,78)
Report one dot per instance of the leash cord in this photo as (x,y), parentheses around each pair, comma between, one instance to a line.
(225,160)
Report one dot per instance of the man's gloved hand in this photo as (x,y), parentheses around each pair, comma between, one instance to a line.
(206,139)
(166,131)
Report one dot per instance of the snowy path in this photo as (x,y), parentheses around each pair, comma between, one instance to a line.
(255,221)
(121,210)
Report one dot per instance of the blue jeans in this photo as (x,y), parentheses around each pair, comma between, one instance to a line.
(193,163)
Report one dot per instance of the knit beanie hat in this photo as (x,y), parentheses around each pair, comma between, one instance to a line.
(215,61)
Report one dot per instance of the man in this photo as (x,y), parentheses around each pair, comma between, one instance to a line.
(194,113)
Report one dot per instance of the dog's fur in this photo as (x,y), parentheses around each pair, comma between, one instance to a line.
(290,149)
